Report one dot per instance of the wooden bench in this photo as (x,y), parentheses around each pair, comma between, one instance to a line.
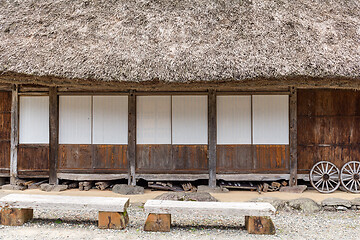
(16,209)
(257,215)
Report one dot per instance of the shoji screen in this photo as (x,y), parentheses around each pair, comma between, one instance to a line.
(110,119)
(234,119)
(189,120)
(75,120)
(271,119)
(34,120)
(153,119)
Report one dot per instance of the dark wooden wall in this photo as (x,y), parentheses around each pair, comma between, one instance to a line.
(328,127)
(86,158)
(33,160)
(5,129)
(252,158)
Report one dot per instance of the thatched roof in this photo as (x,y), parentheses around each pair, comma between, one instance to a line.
(180,40)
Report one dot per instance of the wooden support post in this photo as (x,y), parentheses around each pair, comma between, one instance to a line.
(53,134)
(15,216)
(113,220)
(158,223)
(14,133)
(293,136)
(131,154)
(212,137)
(259,225)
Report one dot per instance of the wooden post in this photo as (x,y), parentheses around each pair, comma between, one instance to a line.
(158,223)
(113,220)
(131,154)
(293,136)
(53,134)
(14,133)
(212,137)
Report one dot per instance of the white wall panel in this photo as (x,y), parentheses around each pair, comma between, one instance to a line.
(271,119)
(234,119)
(75,120)
(153,120)
(189,120)
(110,119)
(34,120)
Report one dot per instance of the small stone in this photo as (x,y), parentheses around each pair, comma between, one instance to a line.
(304,204)
(125,189)
(294,189)
(205,188)
(336,202)
(52,188)
(341,208)
(13,187)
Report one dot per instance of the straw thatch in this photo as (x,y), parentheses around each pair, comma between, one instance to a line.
(180,40)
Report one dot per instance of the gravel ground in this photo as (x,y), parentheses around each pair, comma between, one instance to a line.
(83,225)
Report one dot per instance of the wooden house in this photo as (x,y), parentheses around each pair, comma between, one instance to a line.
(178,90)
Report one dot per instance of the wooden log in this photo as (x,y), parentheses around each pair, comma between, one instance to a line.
(85,186)
(102,185)
(131,154)
(113,220)
(53,133)
(259,225)
(14,134)
(212,137)
(15,216)
(293,136)
(158,223)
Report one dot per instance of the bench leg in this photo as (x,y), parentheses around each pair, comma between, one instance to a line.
(158,223)
(259,225)
(113,220)
(15,216)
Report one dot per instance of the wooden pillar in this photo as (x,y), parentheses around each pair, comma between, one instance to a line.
(131,149)
(212,137)
(53,134)
(14,133)
(293,136)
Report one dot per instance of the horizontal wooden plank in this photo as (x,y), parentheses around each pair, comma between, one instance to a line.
(234,158)
(75,156)
(110,156)
(271,158)
(32,201)
(33,157)
(172,177)
(91,177)
(253,177)
(209,208)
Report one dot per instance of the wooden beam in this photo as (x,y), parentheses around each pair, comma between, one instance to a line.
(293,136)
(14,133)
(53,134)
(212,137)
(91,177)
(131,154)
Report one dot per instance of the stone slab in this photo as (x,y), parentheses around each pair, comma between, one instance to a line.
(336,202)
(295,189)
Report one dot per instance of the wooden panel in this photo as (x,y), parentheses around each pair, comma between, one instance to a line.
(75,156)
(166,158)
(154,158)
(5,126)
(234,158)
(5,102)
(4,154)
(33,157)
(328,127)
(271,157)
(191,157)
(110,157)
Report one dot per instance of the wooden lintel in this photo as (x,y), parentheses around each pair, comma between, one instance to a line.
(253,177)
(14,133)
(172,177)
(212,137)
(293,136)
(53,134)
(131,154)
(91,177)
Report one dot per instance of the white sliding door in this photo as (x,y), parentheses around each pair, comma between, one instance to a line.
(189,120)
(110,119)
(34,120)
(271,119)
(153,119)
(75,120)
(234,119)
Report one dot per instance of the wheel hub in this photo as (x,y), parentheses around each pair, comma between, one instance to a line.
(356,177)
(326,177)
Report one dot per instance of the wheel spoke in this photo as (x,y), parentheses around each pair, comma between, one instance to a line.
(317,184)
(321,172)
(322,167)
(332,186)
(322,186)
(330,169)
(317,172)
(355,186)
(327,167)
(352,184)
(351,170)
(358,169)
(349,182)
(348,171)
(330,180)
(347,179)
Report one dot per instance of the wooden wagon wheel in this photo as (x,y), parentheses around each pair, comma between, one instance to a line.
(350,176)
(324,177)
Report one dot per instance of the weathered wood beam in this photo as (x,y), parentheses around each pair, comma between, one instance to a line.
(212,137)
(53,134)
(293,136)
(131,154)
(14,133)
